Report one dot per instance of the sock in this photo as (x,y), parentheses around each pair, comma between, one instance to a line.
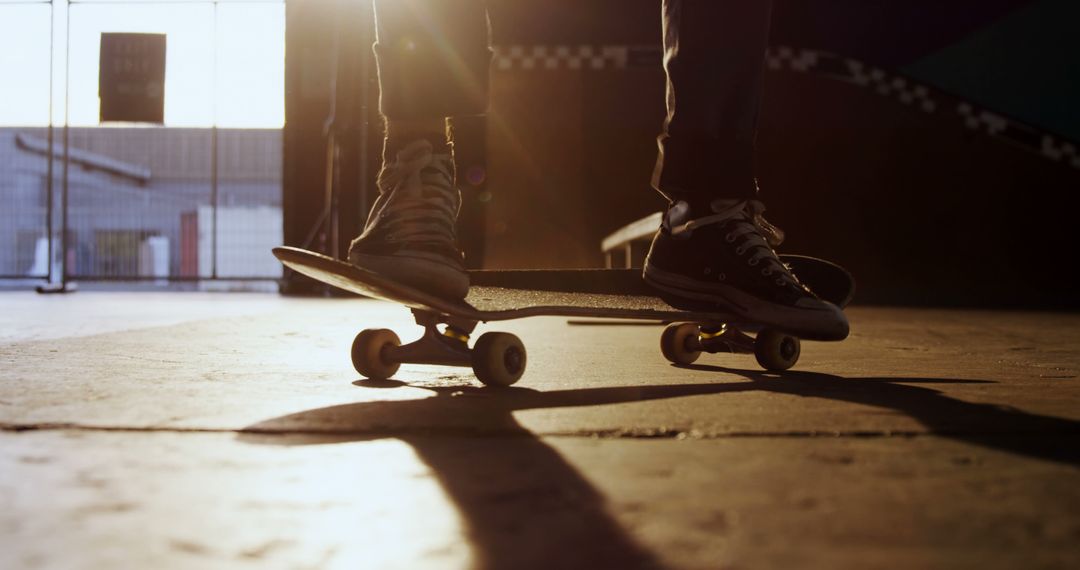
(692,207)
(400,133)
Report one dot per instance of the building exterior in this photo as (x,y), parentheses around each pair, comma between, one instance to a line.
(143,202)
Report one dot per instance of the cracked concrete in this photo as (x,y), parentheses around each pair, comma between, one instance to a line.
(182,430)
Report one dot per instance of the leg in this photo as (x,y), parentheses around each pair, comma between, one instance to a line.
(433,58)
(714,249)
(714,56)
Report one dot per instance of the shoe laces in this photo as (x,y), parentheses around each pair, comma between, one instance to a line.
(745,224)
(422,203)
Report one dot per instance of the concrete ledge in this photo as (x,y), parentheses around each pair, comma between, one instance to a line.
(627,239)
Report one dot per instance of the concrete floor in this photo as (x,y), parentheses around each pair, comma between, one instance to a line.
(230,431)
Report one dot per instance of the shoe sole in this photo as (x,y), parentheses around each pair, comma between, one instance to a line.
(439,279)
(823,322)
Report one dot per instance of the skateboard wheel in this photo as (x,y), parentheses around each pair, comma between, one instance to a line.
(367,353)
(776,351)
(498,359)
(677,341)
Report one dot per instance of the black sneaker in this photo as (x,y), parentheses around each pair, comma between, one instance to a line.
(723,260)
(410,234)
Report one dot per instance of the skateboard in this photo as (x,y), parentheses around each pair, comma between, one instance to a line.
(499,358)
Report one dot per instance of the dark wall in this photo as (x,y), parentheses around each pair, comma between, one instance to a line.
(921,207)
(890,33)
(330,88)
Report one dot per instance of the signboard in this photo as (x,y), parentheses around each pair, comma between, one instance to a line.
(131,83)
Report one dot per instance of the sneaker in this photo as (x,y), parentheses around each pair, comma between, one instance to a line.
(410,234)
(725,260)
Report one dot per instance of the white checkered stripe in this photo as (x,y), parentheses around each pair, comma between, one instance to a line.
(998,126)
(852,71)
(561,57)
(904,90)
(787,58)
(784,58)
(1060,151)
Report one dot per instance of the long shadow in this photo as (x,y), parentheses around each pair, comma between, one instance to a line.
(525,506)
(988,425)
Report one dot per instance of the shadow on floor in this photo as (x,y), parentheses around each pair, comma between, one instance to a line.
(988,425)
(523,504)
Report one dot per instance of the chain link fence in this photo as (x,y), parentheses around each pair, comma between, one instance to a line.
(197,198)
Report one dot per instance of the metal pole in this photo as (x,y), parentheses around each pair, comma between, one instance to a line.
(214,203)
(333,180)
(51,153)
(62,287)
(67,151)
(214,154)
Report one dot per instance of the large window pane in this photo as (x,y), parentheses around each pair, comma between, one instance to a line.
(24,110)
(197,197)
(251,65)
(189,60)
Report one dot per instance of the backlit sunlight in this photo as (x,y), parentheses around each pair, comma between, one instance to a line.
(224,66)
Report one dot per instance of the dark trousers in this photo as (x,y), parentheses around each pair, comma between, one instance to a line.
(434,58)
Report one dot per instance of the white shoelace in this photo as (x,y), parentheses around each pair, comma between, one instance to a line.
(426,212)
(760,237)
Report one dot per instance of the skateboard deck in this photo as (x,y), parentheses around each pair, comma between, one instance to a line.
(506,295)
(515,294)
(828,280)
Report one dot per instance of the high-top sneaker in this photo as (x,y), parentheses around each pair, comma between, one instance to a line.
(410,234)
(723,260)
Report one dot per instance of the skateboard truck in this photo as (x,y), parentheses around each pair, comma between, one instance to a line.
(497,359)
(683,343)
(449,347)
